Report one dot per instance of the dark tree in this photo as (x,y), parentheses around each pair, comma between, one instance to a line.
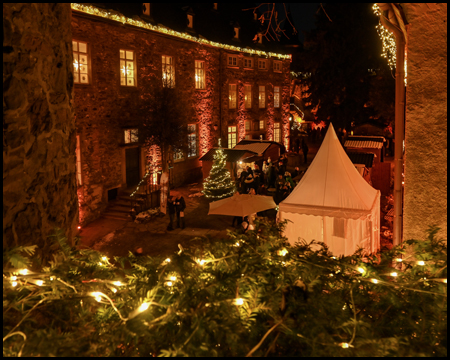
(167,116)
(350,81)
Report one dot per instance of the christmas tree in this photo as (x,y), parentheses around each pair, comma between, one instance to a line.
(219,184)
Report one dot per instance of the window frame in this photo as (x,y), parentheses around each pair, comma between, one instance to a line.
(247,58)
(248,94)
(231,144)
(248,125)
(262,61)
(126,63)
(278,64)
(262,99)
(276,98)
(202,76)
(236,57)
(164,67)
(277,130)
(136,135)
(232,105)
(88,59)
(263,123)
(190,133)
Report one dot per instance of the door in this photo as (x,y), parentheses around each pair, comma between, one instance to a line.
(132,166)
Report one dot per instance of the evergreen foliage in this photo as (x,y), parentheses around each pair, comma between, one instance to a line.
(219,185)
(248,294)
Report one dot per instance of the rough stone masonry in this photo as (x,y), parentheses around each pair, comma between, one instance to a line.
(39,183)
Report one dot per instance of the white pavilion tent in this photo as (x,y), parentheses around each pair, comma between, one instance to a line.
(333,204)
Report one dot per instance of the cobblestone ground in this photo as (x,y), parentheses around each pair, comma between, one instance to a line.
(152,236)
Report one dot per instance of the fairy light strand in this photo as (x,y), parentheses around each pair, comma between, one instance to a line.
(115,16)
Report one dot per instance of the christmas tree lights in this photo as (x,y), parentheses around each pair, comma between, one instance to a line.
(219,185)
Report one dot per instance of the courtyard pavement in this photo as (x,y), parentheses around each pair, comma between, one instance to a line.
(117,238)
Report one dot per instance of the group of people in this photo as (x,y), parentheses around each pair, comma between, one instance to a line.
(176,205)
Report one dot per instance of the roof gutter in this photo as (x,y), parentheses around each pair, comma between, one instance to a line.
(395,24)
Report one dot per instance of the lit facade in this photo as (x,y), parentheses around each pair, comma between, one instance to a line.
(116,58)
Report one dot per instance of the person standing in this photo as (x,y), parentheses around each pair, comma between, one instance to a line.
(180,205)
(171,211)
(305,151)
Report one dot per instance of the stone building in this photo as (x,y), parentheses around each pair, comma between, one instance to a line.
(238,88)
(425,198)
(39,185)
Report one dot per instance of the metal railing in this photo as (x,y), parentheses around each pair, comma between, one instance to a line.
(147,193)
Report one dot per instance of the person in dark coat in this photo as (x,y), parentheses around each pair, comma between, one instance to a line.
(242,178)
(257,174)
(281,168)
(171,211)
(297,145)
(271,177)
(249,183)
(305,151)
(180,205)
(296,172)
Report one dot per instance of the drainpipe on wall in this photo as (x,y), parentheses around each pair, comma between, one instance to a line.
(400,41)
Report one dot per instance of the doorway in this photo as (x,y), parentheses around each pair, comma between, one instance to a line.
(132,166)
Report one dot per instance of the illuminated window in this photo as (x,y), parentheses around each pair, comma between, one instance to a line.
(168,71)
(262,64)
(232,60)
(236,33)
(277,66)
(248,96)
(131,136)
(248,63)
(232,136)
(192,140)
(78,156)
(178,155)
(276,96)
(127,68)
(261,125)
(199,74)
(232,96)
(276,133)
(262,97)
(80,62)
(190,21)
(146,9)
(248,125)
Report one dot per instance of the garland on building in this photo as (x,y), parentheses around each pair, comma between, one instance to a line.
(248,294)
(219,185)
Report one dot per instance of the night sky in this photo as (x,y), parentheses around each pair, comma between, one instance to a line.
(303,15)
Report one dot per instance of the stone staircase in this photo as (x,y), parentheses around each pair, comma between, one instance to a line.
(119,209)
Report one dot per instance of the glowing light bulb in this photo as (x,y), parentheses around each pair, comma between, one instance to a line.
(375,281)
(169,283)
(394,274)
(14,283)
(201,262)
(118,283)
(345,345)
(173,278)
(421,263)
(97,296)
(399,260)
(23,271)
(39,283)
(104,258)
(144,306)
(238,302)
(52,278)
(445,281)
(282,252)
(13,277)
(167,260)
(79,227)
(114,290)
(361,270)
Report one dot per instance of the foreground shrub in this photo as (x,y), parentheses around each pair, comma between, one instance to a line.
(248,294)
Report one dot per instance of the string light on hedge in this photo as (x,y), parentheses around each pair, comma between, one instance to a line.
(238,301)
(421,263)
(393,274)
(375,281)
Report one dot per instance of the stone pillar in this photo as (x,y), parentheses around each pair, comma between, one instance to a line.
(39,171)
(426,120)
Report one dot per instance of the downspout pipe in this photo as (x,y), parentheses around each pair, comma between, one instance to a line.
(393,26)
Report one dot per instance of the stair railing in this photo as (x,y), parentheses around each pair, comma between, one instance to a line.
(145,196)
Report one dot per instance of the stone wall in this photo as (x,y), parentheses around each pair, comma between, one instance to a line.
(104,107)
(426,120)
(39,184)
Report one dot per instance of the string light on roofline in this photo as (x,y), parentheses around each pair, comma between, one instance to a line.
(88,9)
